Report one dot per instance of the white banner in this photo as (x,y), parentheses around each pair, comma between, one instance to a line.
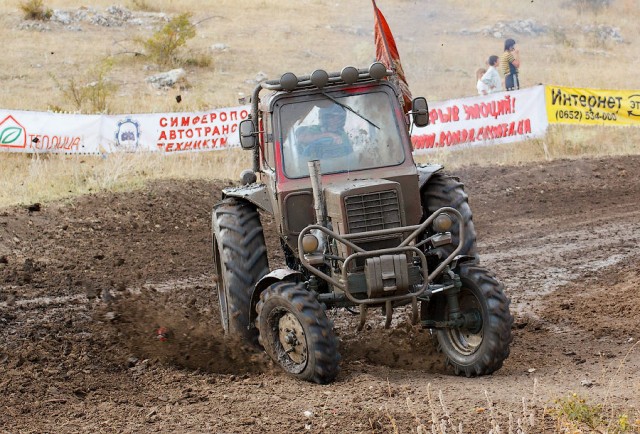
(24,131)
(502,117)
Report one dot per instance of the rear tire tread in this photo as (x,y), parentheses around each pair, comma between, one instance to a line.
(243,259)
(442,190)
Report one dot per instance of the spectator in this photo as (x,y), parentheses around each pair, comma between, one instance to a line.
(510,65)
(491,78)
(483,89)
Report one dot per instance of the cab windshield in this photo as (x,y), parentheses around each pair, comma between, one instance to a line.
(345,133)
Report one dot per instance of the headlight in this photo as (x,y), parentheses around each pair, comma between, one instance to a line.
(310,243)
(442,223)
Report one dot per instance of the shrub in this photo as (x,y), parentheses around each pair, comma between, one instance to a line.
(93,96)
(201,60)
(574,413)
(35,10)
(575,409)
(164,45)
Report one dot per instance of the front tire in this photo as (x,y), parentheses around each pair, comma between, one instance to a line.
(296,333)
(240,260)
(480,350)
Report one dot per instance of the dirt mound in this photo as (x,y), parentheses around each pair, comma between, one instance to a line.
(175,328)
(609,311)
(110,241)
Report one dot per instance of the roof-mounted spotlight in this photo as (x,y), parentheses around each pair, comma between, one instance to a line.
(349,74)
(319,78)
(377,71)
(288,81)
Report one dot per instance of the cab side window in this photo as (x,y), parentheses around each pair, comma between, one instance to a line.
(269,152)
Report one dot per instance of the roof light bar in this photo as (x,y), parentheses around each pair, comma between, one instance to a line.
(320,78)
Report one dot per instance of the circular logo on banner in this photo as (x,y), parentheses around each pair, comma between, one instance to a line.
(127,135)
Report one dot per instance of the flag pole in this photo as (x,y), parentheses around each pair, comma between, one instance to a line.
(383,36)
(387,53)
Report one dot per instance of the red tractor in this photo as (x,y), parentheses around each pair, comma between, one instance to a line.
(361,226)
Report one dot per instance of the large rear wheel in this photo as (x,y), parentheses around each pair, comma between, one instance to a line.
(481,347)
(296,333)
(442,190)
(240,260)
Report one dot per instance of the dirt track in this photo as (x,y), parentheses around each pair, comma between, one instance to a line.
(84,286)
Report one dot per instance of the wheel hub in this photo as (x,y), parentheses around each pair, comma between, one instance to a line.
(466,340)
(473,321)
(467,337)
(292,338)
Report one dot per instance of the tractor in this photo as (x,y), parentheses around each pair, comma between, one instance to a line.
(361,226)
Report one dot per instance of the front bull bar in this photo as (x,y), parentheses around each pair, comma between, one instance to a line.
(403,247)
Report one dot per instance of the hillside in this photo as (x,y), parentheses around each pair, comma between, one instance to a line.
(441,44)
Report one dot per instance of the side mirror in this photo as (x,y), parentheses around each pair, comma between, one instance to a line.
(248,136)
(420,111)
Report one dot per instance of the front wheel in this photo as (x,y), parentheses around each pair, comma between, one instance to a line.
(296,333)
(479,349)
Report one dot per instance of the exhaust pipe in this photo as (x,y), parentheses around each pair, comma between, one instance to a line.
(318,197)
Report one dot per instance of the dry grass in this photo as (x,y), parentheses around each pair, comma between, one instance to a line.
(578,412)
(27,179)
(430,412)
(300,36)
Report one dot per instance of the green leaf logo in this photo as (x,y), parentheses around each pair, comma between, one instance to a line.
(10,135)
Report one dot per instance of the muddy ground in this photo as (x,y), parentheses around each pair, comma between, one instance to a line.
(85,285)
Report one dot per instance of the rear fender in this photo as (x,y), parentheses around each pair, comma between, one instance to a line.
(425,171)
(255,193)
(283,274)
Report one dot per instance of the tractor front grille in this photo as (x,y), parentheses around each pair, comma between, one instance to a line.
(373,211)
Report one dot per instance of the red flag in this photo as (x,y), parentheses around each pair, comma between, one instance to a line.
(387,53)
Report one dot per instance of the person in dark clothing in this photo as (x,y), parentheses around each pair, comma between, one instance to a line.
(328,139)
(510,65)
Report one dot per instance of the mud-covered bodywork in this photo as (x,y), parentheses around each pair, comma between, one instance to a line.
(361,226)
(380,149)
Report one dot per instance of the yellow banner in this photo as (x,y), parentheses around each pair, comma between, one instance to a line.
(570,105)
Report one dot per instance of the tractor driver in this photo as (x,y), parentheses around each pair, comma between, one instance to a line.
(328,139)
